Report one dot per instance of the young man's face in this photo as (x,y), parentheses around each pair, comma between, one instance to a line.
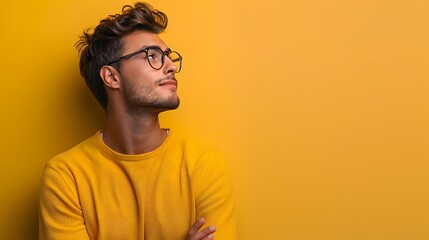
(142,85)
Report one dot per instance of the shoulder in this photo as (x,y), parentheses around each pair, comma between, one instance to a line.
(196,153)
(192,147)
(75,156)
(63,170)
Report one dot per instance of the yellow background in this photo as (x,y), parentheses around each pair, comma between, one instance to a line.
(321,107)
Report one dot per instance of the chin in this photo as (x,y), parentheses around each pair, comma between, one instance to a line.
(167,105)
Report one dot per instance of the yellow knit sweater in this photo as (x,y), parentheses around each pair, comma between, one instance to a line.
(93,192)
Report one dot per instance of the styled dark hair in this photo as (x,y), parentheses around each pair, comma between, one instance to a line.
(104,43)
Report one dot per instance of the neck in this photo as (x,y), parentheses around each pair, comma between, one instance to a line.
(133,134)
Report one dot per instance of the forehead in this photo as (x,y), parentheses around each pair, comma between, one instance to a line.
(139,39)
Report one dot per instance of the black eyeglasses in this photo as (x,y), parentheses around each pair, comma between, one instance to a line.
(155,57)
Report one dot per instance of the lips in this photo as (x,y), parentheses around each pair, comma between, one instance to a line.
(168,82)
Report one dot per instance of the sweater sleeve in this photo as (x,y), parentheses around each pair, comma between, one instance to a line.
(214,198)
(60,216)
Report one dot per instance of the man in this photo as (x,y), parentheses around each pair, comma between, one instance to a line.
(135,180)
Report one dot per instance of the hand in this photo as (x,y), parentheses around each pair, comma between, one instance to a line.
(205,234)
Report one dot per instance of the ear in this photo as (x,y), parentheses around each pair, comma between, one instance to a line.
(110,76)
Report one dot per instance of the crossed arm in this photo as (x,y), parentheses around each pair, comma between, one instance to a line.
(195,233)
(62,216)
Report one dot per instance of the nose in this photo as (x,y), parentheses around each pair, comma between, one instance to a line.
(169,66)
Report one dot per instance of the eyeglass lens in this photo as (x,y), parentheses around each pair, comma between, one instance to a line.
(155,58)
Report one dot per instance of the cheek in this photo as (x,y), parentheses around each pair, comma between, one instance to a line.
(139,74)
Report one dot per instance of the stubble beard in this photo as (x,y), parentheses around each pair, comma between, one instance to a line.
(146,97)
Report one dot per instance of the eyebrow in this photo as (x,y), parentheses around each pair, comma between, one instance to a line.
(168,50)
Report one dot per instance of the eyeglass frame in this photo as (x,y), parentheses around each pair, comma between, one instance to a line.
(145,50)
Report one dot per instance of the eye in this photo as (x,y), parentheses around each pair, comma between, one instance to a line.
(154,55)
(151,57)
